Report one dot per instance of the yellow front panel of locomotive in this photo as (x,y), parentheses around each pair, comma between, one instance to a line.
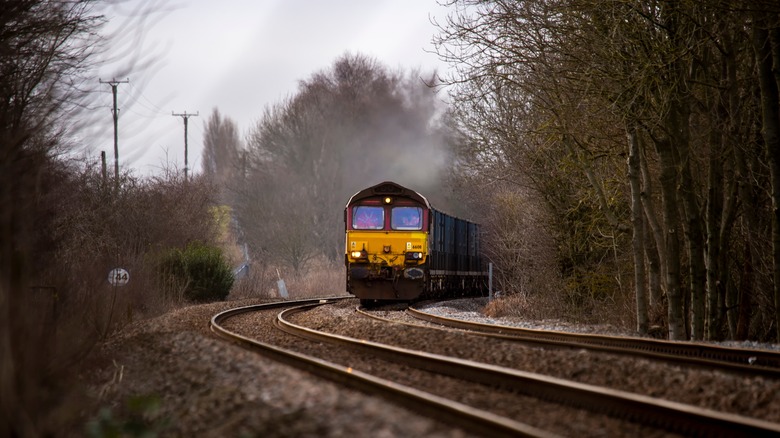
(387,247)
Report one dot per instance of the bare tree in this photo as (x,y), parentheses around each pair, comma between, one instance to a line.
(221,149)
(766,39)
(62,228)
(518,96)
(347,127)
(569,73)
(45,47)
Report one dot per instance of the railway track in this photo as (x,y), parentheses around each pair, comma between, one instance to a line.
(684,419)
(748,361)
(457,414)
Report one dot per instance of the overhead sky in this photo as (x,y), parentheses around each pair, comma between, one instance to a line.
(241,56)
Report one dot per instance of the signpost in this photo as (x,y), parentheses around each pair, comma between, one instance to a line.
(117,277)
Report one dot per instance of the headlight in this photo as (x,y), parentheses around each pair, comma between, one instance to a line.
(414,255)
(362,254)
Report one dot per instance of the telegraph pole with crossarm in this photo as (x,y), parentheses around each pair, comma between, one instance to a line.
(114,83)
(185,117)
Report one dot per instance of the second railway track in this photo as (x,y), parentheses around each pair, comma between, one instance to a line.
(749,361)
(688,420)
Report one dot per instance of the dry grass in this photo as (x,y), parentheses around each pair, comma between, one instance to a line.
(324,278)
(320,283)
(551,300)
(528,307)
(256,284)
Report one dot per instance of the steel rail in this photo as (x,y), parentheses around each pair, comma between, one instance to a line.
(672,416)
(475,420)
(753,362)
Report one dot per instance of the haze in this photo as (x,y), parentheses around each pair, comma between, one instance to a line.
(239,56)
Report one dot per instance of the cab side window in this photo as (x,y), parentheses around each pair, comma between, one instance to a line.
(366,217)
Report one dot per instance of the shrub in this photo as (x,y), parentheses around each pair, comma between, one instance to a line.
(140,418)
(198,273)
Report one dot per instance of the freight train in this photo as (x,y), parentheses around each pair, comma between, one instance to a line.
(400,248)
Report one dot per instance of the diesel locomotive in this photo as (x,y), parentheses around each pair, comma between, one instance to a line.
(400,248)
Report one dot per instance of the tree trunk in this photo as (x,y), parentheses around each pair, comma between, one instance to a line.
(671,243)
(656,247)
(723,199)
(10,283)
(694,233)
(738,192)
(765,52)
(713,221)
(637,222)
(745,295)
(730,305)
(654,275)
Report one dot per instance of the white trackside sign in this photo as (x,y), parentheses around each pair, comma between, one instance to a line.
(118,277)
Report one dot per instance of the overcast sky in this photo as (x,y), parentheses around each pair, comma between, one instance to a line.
(241,56)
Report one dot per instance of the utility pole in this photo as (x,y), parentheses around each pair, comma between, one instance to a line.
(103,166)
(185,117)
(115,112)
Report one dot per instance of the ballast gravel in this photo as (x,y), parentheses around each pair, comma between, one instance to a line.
(750,396)
(208,387)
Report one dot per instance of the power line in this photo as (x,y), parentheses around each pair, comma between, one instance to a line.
(114,83)
(185,117)
(140,98)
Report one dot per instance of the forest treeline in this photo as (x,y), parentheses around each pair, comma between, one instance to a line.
(647,134)
(66,222)
(624,149)
(348,126)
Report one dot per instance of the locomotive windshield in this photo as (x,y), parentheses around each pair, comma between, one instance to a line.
(406,218)
(366,217)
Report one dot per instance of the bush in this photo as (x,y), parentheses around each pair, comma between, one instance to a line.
(141,418)
(198,273)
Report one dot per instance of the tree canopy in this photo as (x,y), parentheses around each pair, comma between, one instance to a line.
(347,127)
(552,96)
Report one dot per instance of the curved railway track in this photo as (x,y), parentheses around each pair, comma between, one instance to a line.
(684,419)
(752,362)
(457,414)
